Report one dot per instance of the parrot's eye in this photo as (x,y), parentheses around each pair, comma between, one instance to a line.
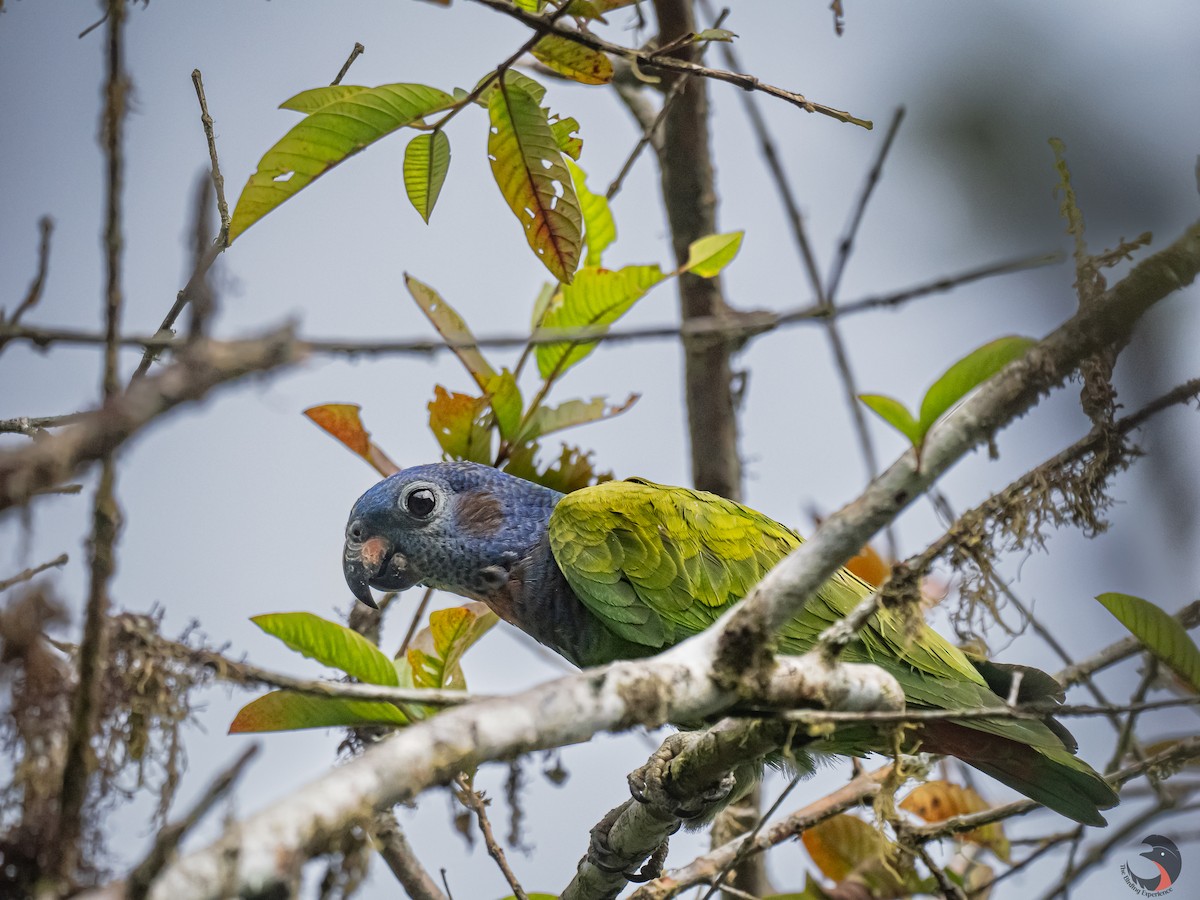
(419,502)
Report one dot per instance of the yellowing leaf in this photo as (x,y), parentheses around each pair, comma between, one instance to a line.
(597,297)
(599,228)
(326,137)
(288,711)
(529,170)
(343,422)
(456,421)
(968,373)
(450,325)
(1159,632)
(436,651)
(841,843)
(426,162)
(311,100)
(573,60)
(505,398)
(330,644)
(895,414)
(936,801)
(709,255)
(714,34)
(549,419)
(564,135)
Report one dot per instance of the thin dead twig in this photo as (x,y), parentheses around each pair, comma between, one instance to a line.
(30,426)
(396,851)
(477,803)
(670,63)
(168,839)
(34,294)
(31,573)
(358,51)
(218,180)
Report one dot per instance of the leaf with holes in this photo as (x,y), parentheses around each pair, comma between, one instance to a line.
(426,162)
(326,137)
(451,326)
(597,298)
(573,60)
(529,170)
(549,419)
(342,420)
(936,801)
(709,255)
(330,644)
(289,711)
(564,135)
(1160,632)
(458,422)
(599,227)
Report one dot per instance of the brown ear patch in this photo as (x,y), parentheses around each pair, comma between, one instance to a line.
(479,513)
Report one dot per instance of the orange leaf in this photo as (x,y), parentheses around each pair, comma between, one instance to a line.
(936,801)
(870,566)
(342,421)
(840,844)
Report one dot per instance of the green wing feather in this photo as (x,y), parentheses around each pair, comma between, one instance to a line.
(657,564)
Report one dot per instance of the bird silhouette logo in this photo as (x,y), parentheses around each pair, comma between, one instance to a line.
(1165,856)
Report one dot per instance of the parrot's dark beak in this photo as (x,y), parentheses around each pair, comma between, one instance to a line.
(362,562)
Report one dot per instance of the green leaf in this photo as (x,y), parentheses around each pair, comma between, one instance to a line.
(436,652)
(505,398)
(342,420)
(709,255)
(450,325)
(597,297)
(326,137)
(1159,632)
(714,34)
(529,170)
(573,60)
(564,135)
(311,100)
(330,644)
(968,373)
(426,162)
(288,711)
(531,86)
(458,423)
(549,419)
(895,414)
(599,228)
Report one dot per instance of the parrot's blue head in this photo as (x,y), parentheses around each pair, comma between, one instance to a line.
(455,526)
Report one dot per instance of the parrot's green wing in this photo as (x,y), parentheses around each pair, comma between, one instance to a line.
(657,564)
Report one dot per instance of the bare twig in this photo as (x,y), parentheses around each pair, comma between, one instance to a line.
(358,51)
(218,179)
(168,839)
(106,517)
(195,372)
(393,846)
(30,574)
(34,294)
(650,59)
(33,425)
(418,614)
(741,327)
(477,803)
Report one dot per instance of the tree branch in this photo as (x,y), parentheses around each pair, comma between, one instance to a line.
(195,371)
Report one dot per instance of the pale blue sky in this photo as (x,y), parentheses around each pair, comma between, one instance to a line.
(244,478)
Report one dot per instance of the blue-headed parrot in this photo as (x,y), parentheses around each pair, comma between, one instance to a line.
(625,569)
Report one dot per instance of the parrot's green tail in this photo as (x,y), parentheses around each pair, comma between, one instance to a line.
(1055,778)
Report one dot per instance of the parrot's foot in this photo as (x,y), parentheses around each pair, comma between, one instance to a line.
(652,784)
(602,855)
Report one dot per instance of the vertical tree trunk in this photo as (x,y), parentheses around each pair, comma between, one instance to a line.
(690,197)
